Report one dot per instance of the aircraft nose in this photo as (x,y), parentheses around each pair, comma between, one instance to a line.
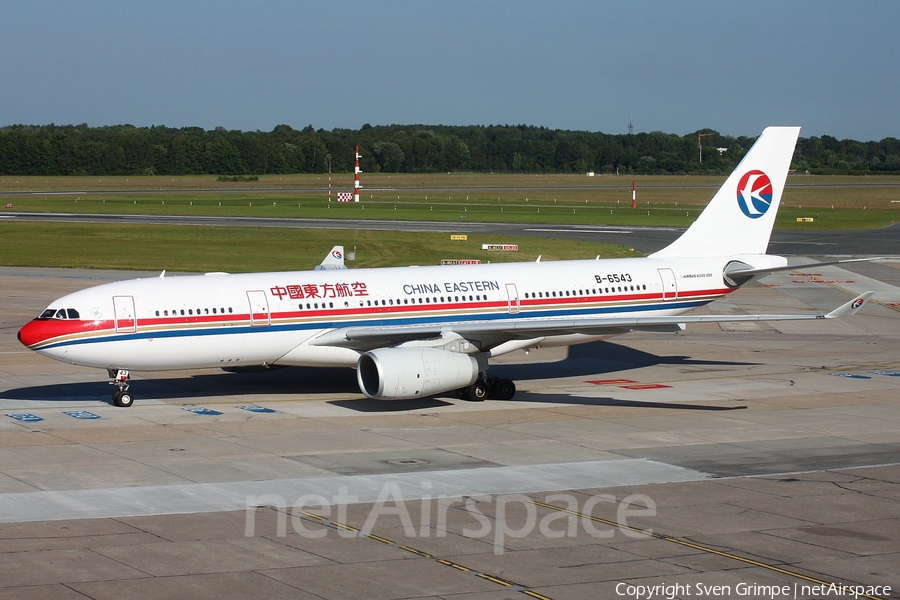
(33,333)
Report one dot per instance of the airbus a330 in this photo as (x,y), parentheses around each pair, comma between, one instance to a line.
(425,331)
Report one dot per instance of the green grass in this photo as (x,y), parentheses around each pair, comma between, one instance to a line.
(834,202)
(250,249)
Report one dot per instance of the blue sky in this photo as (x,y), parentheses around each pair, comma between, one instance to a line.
(831,67)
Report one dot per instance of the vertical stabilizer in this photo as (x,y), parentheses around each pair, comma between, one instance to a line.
(739,218)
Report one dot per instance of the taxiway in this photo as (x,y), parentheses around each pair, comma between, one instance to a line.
(768,454)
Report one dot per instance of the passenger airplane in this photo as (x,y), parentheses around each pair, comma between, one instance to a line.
(414,332)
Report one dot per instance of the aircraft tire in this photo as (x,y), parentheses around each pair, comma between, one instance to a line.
(503,389)
(477,392)
(123,399)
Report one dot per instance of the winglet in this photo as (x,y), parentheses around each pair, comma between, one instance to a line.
(850,308)
(334,260)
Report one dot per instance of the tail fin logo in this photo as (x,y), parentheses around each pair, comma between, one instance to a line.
(336,254)
(754,194)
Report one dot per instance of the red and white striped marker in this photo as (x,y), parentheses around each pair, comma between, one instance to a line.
(633,195)
(356,177)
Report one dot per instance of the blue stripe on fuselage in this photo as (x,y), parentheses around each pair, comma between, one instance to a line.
(372,321)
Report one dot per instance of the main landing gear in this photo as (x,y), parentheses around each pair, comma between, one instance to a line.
(122,397)
(488,387)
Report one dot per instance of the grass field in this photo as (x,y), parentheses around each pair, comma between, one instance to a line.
(248,249)
(833,202)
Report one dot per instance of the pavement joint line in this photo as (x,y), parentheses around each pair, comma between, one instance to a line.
(707,549)
(517,587)
(831,470)
(884,304)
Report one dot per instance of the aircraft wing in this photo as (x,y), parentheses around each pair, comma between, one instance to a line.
(487,335)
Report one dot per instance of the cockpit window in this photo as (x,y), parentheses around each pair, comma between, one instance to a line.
(60,313)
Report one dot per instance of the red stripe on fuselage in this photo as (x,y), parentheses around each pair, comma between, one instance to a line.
(40,331)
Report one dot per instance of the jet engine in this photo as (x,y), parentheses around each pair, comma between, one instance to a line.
(398,373)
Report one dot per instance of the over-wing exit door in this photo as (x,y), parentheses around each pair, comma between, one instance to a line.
(513,296)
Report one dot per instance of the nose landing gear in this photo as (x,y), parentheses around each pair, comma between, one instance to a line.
(122,397)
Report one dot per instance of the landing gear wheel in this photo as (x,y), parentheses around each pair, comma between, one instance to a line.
(123,398)
(477,392)
(503,389)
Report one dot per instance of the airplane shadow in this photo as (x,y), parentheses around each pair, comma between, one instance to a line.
(617,402)
(592,359)
(600,358)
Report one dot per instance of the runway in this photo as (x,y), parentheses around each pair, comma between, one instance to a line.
(730,455)
(877,242)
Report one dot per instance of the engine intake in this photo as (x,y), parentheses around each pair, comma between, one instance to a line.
(397,373)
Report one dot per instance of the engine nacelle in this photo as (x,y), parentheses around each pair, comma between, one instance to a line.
(396,373)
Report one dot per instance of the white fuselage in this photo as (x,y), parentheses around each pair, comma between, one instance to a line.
(222,320)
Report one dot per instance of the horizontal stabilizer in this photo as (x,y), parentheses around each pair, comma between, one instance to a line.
(736,275)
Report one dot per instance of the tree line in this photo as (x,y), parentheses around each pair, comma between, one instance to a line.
(158,150)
